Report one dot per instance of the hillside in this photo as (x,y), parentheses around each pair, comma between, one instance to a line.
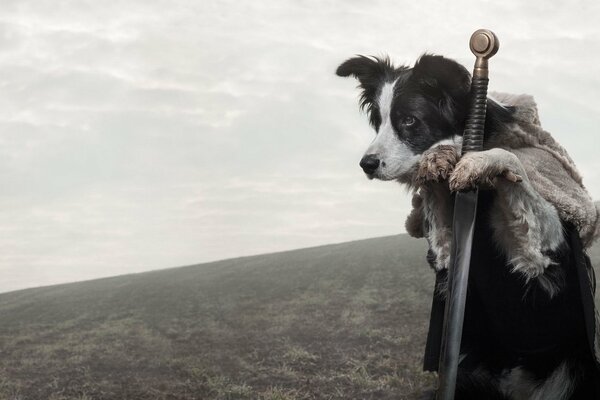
(344,321)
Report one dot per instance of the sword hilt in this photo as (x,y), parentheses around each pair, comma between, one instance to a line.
(484,44)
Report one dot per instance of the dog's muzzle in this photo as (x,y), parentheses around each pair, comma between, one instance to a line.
(369,164)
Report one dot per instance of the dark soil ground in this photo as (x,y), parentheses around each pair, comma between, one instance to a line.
(344,321)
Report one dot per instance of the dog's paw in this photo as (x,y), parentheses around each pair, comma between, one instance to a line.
(443,261)
(437,164)
(468,173)
(482,168)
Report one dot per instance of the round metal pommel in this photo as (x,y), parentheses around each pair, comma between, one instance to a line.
(484,43)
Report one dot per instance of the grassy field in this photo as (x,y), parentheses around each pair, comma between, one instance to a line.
(345,321)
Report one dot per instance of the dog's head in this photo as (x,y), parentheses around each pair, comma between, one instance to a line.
(411,109)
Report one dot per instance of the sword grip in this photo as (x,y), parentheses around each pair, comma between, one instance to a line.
(474,127)
(484,44)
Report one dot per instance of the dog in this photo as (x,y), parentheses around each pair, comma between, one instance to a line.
(524,335)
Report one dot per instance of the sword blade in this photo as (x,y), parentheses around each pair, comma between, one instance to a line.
(465,211)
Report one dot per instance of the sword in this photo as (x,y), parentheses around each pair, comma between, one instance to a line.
(484,44)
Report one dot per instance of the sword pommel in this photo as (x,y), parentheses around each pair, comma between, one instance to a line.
(484,44)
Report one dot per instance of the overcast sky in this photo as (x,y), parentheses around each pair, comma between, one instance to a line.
(141,134)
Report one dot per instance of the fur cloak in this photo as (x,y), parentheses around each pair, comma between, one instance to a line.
(554,175)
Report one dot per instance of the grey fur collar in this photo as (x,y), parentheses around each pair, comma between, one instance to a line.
(553,174)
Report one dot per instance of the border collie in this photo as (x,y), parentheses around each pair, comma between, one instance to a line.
(524,335)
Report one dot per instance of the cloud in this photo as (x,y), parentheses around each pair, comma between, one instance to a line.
(140,135)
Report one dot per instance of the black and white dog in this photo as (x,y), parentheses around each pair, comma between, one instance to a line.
(524,337)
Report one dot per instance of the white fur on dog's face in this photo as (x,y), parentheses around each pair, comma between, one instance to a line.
(396,158)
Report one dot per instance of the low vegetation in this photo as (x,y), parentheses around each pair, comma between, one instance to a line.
(344,321)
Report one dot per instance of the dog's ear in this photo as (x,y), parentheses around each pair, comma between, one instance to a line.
(366,69)
(445,79)
(442,73)
(371,72)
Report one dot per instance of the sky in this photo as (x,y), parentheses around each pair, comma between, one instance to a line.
(138,134)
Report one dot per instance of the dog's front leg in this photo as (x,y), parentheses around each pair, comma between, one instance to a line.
(437,208)
(526,226)
(435,166)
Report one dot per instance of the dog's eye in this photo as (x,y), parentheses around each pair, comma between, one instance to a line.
(408,121)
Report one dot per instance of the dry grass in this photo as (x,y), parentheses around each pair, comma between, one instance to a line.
(345,322)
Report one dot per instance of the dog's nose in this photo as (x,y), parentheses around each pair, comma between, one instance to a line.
(369,163)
